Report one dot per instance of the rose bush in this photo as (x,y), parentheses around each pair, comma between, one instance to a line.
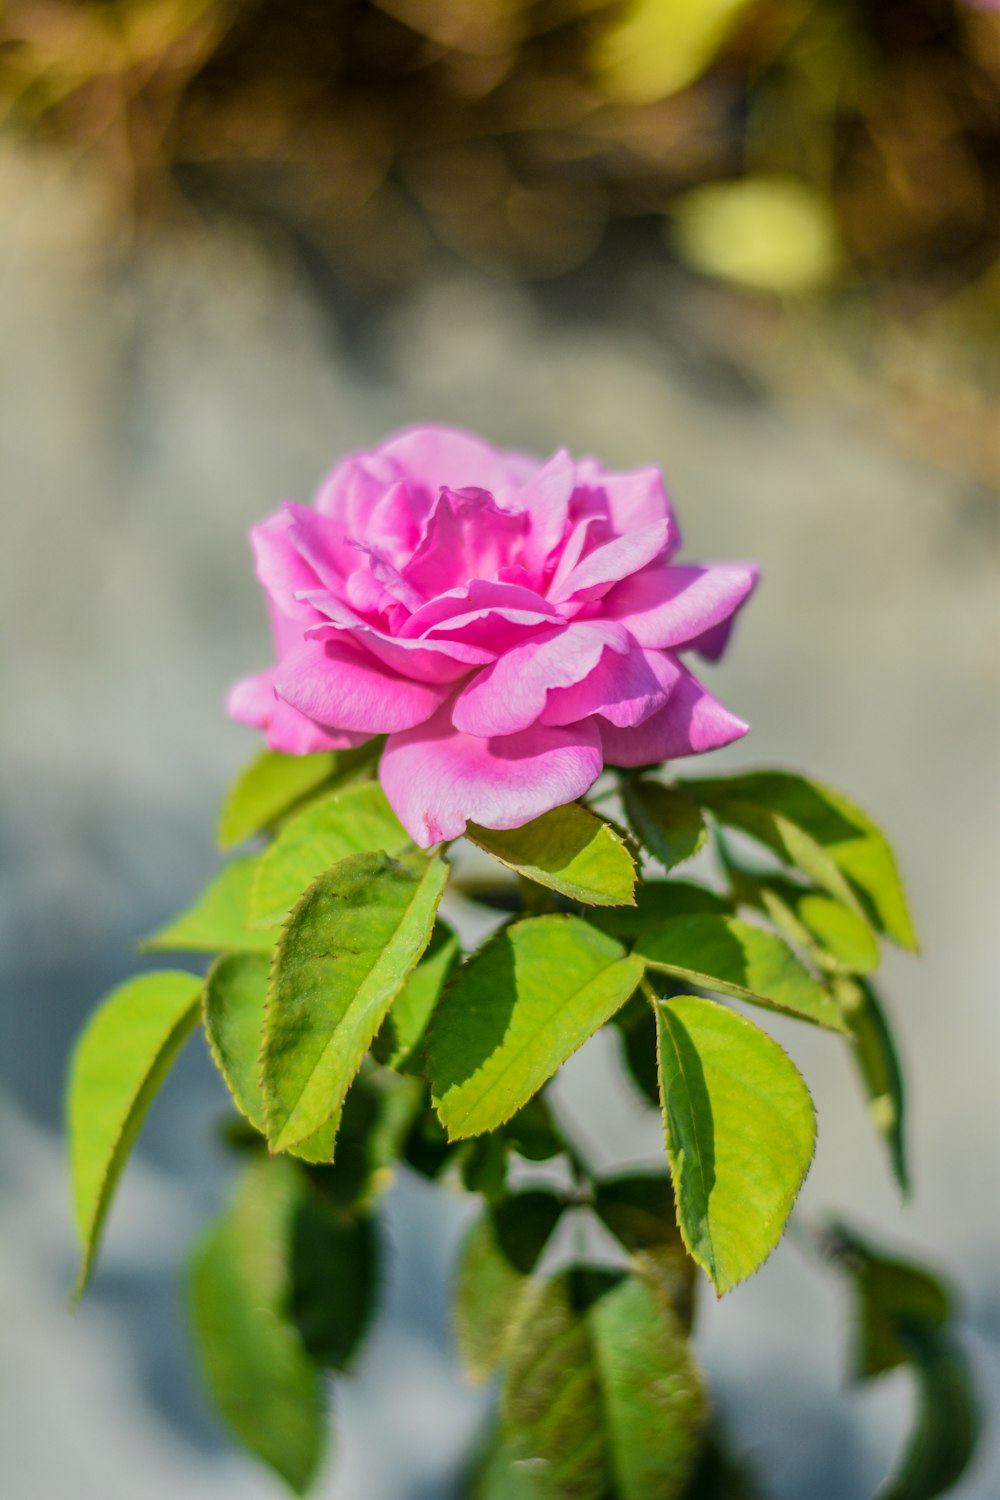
(511,625)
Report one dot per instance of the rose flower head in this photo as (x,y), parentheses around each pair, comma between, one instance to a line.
(512,626)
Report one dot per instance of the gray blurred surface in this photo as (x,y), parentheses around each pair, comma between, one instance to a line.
(151,408)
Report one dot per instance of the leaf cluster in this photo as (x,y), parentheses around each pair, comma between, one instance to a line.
(356,1038)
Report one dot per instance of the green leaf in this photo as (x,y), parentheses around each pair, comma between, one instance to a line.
(335,1263)
(404,1026)
(218,919)
(878,1063)
(902,1317)
(268,787)
(732,957)
(768,804)
(263,1382)
(740,1132)
(354,820)
(119,1062)
(656,901)
(234,1004)
(667,821)
(602,1395)
(834,935)
(499,1254)
(515,1011)
(343,957)
(373,1121)
(570,850)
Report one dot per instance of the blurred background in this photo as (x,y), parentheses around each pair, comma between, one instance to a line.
(754,241)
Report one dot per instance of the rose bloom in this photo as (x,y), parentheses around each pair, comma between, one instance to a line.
(512,626)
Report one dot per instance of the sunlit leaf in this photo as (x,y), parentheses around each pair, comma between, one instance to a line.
(771,233)
(515,1012)
(267,788)
(262,1380)
(218,920)
(119,1063)
(353,820)
(234,1003)
(740,1132)
(570,850)
(765,803)
(734,958)
(343,957)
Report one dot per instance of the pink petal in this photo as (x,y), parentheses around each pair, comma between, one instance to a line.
(482,613)
(436,778)
(338,686)
(673,606)
(425,661)
(692,722)
(467,536)
(546,499)
(634,499)
(434,457)
(252,701)
(511,694)
(281,568)
(624,689)
(598,570)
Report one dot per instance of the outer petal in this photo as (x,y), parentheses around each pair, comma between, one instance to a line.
(624,689)
(253,701)
(673,606)
(691,722)
(511,694)
(599,570)
(283,572)
(335,685)
(436,779)
(434,456)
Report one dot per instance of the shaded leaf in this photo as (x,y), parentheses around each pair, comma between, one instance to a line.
(484,1166)
(532,1133)
(734,958)
(834,935)
(570,850)
(352,820)
(343,957)
(656,902)
(218,919)
(267,788)
(602,1394)
(515,1011)
(404,1026)
(740,1132)
(666,820)
(770,804)
(335,1264)
(262,1380)
(638,1209)
(233,1004)
(118,1064)
(878,1064)
(891,1295)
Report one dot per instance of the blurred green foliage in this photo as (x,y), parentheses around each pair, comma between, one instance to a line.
(790,144)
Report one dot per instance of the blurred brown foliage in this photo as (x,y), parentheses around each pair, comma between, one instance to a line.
(512,131)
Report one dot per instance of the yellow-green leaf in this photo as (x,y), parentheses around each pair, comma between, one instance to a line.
(570,850)
(218,920)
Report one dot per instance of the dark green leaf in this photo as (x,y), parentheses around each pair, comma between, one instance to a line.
(353,820)
(779,808)
(523,1223)
(639,1211)
(516,1011)
(532,1132)
(373,1121)
(119,1063)
(342,959)
(891,1295)
(666,820)
(878,1064)
(269,787)
(335,1265)
(732,957)
(602,1395)
(740,1133)
(656,902)
(218,919)
(262,1380)
(570,850)
(234,1003)
(484,1166)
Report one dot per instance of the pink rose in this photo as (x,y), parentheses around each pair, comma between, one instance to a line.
(511,626)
